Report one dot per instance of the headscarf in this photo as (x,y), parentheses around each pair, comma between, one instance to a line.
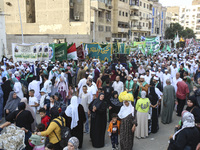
(193,100)
(74,141)
(141,71)
(12,103)
(126,110)
(28,107)
(188,122)
(54,113)
(72,111)
(143,94)
(97,102)
(115,101)
(15,80)
(21,106)
(59,96)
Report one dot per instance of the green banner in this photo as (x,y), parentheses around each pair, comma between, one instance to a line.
(61,52)
(152,44)
(141,46)
(52,52)
(97,52)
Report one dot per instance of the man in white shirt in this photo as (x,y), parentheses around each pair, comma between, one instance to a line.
(47,85)
(81,83)
(176,80)
(33,101)
(91,89)
(174,70)
(35,85)
(160,74)
(118,85)
(165,77)
(147,77)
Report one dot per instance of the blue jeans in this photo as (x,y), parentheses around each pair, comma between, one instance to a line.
(1,107)
(86,123)
(114,140)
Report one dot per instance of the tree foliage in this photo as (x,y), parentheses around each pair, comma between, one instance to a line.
(176,27)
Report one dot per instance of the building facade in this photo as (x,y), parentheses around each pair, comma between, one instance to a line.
(196,2)
(158,20)
(174,10)
(190,18)
(3,43)
(140,18)
(120,20)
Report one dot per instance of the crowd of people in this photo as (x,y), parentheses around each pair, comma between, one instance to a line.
(126,100)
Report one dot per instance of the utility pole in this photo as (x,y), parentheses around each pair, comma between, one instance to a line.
(21,22)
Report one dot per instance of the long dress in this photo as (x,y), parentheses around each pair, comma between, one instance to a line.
(169,97)
(98,124)
(126,134)
(154,117)
(78,130)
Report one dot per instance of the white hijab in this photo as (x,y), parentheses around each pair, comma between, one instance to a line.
(72,111)
(188,122)
(126,110)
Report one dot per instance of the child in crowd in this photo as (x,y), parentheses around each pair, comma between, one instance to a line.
(51,101)
(70,93)
(85,101)
(44,118)
(113,131)
(37,141)
(33,101)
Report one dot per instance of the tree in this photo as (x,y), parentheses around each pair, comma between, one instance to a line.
(176,27)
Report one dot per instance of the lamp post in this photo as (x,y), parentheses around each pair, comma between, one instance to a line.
(21,22)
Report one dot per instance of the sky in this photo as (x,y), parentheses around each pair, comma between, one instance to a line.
(175,2)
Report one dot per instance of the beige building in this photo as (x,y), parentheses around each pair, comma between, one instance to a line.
(140,16)
(196,2)
(120,20)
(48,21)
(158,20)
(174,10)
(190,17)
(168,19)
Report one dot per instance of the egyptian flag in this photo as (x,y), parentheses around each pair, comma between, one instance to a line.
(72,53)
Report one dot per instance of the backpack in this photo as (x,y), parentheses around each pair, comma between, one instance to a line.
(65,133)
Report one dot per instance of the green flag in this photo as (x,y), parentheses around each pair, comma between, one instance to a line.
(163,48)
(168,48)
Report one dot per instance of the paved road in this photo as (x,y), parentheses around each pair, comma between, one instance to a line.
(158,141)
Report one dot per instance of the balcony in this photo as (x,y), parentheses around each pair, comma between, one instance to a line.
(124,30)
(135,27)
(134,7)
(135,17)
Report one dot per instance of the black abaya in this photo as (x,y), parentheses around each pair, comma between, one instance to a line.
(98,124)
(6,91)
(154,117)
(78,130)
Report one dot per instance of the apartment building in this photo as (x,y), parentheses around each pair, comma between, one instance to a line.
(196,2)
(140,18)
(158,20)
(168,19)
(101,20)
(175,13)
(48,21)
(120,20)
(190,17)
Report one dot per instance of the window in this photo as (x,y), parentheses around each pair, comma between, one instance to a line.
(76,10)
(146,24)
(100,28)
(126,14)
(140,13)
(194,9)
(100,14)
(147,6)
(30,11)
(108,29)
(144,5)
(143,24)
(140,3)
(120,13)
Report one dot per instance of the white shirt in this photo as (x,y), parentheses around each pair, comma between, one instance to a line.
(18,90)
(48,85)
(173,71)
(92,91)
(165,77)
(147,78)
(174,82)
(81,83)
(35,85)
(118,86)
(85,100)
(160,75)
(32,101)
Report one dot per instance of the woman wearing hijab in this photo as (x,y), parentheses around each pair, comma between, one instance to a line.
(28,107)
(18,88)
(12,103)
(59,103)
(141,70)
(6,90)
(1,103)
(98,109)
(193,108)
(128,121)
(73,144)
(187,137)
(115,105)
(142,107)
(75,119)
(62,88)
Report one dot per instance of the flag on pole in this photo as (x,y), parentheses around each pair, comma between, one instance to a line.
(72,53)
(163,48)
(168,48)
